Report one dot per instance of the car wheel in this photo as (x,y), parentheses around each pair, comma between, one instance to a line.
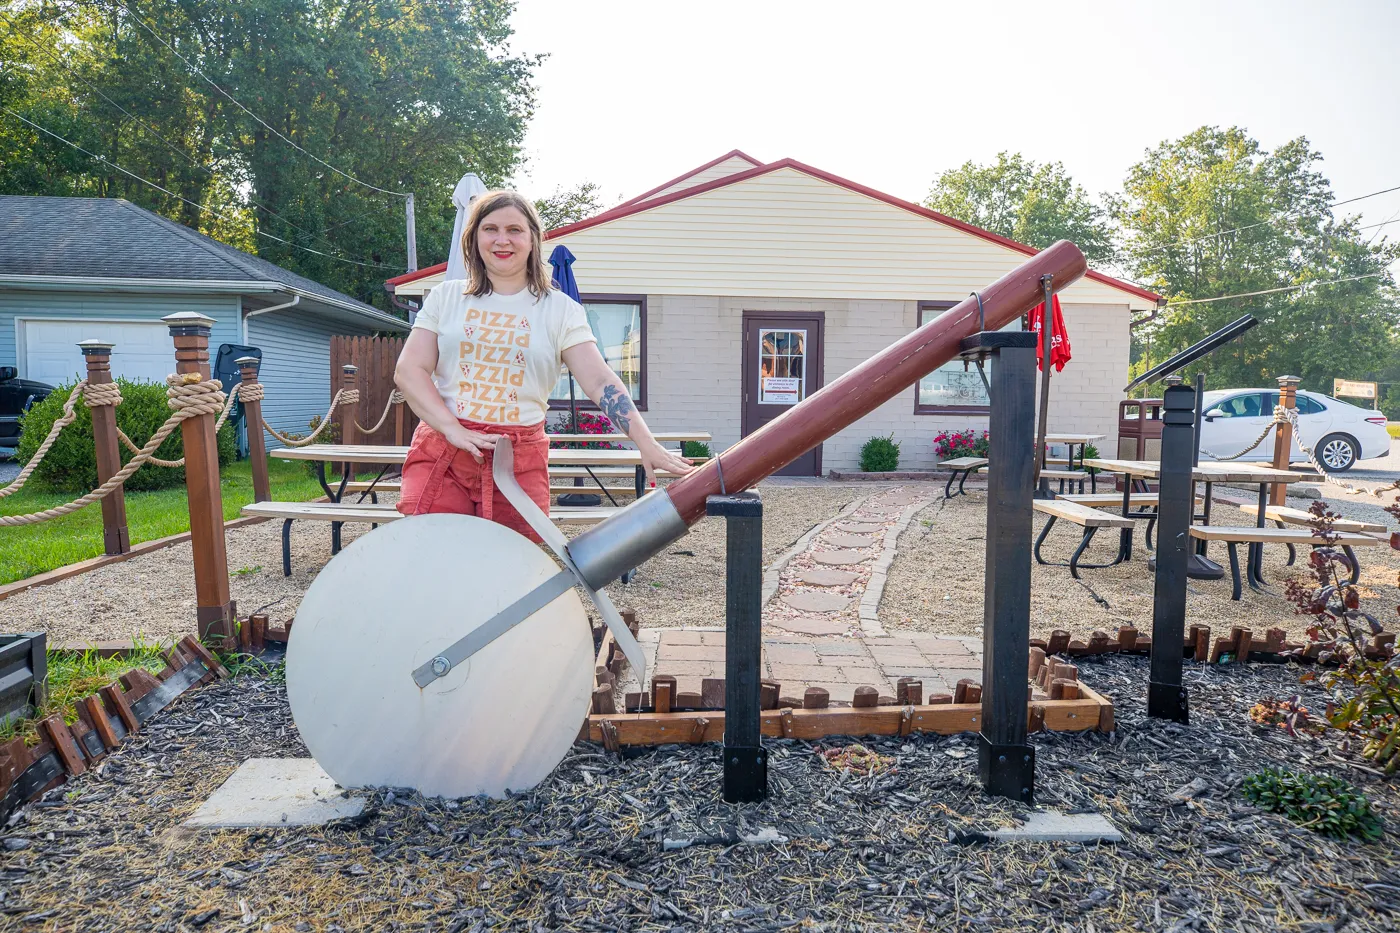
(1337,453)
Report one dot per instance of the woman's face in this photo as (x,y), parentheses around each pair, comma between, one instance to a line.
(503,239)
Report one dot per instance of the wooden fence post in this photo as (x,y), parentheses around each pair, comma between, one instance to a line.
(252,417)
(115,537)
(349,434)
(1283,436)
(216,613)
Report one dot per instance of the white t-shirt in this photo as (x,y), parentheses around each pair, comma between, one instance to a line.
(499,355)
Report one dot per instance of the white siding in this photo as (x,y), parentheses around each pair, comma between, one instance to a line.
(296,365)
(694,371)
(53,304)
(731,166)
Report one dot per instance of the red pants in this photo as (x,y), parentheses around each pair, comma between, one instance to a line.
(438,477)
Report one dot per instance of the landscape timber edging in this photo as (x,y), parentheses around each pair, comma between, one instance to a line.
(102,722)
(1239,645)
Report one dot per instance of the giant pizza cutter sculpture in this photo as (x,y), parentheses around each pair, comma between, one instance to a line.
(452,655)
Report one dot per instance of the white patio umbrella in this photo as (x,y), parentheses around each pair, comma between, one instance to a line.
(468,190)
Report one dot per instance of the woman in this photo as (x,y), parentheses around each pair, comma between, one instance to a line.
(479,365)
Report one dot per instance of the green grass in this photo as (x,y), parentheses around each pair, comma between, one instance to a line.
(74,676)
(1394,429)
(29,549)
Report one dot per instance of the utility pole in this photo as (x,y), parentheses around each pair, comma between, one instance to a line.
(412,235)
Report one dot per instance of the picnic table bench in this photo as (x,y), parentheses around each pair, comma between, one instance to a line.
(960,468)
(1233,536)
(1088,518)
(374,515)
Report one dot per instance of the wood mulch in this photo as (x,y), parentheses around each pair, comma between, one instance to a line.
(851,841)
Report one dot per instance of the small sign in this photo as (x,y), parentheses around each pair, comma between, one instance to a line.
(781,390)
(1345,387)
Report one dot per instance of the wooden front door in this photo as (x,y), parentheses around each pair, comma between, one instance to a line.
(782,366)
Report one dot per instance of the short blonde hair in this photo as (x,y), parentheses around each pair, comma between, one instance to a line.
(537,276)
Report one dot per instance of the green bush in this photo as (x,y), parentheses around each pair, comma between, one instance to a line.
(1327,805)
(879,455)
(695,449)
(71,464)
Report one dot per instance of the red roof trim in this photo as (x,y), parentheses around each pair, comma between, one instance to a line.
(731,154)
(625,210)
(415,275)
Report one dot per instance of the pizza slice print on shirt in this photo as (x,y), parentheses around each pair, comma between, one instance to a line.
(493,361)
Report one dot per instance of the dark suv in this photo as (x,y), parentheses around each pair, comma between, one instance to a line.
(16,395)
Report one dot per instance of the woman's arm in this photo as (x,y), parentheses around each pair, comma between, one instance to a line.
(601,384)
(413,374)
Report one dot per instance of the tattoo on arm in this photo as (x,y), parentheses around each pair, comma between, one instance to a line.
(617,406)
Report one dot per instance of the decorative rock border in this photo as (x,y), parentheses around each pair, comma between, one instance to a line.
(771,572)
(875,589)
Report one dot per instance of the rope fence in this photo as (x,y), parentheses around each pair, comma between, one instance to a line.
(188,397)
(1289,416)
(344,396)
(395,397)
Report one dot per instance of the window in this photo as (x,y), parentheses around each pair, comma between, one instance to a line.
(953,388)
(782,358)
(1242,406)
(1304,404)
(619,324)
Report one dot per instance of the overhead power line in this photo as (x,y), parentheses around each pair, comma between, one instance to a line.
(1262,223)
(209,210)
(170,145)
(210,81)
(1272,291)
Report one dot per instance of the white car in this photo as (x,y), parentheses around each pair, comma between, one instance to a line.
(1338,433)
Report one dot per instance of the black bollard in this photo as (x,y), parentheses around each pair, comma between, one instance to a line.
(1166,696)
(745,762)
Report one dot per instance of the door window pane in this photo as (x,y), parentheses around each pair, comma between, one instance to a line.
(617,326)
(781,358)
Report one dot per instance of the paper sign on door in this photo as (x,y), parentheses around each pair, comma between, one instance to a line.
(781,390)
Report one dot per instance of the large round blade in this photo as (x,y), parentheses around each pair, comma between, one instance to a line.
(395,599)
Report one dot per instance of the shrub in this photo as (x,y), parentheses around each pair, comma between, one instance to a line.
(879,455)
(71,464)
(698,449)
(967,443)
(1091,453)
(1327,805)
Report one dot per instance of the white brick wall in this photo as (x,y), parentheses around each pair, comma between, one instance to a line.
(694,366)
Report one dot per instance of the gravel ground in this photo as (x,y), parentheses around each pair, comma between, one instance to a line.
(152,596)
(586,850)
(935,584)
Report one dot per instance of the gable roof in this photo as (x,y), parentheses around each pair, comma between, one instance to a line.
(113,239)
(649,200)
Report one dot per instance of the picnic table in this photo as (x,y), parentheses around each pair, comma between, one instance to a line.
(1139,471)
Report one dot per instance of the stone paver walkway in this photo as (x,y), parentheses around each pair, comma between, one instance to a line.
(838,665)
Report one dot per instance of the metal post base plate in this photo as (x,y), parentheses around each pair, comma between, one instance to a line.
(745,774)
(1168,701)
(1203,568)
(1006,770)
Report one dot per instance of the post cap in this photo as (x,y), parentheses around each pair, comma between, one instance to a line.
(349,369)
(1173,380)
(1286,381)
(95,346)
(245,361)
(188,320)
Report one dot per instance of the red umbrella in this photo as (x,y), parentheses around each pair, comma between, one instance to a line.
(1059,337)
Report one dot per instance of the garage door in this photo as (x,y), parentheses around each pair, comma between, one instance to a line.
(142,352)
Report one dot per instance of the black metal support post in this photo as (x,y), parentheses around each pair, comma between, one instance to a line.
(1198,565)
(745,762)
(1166,695)
(1006,761)
(1046,343)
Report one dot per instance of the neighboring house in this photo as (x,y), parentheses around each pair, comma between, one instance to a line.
(76,269)
(739,288)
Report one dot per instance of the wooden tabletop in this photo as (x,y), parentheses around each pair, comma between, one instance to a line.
(1204,473)
(1073,438)
(665,437)
(368,453)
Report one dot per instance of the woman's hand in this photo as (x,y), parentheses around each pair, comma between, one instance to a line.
(655,457)
(473,442)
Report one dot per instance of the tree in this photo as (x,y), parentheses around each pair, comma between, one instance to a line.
(1033,204)
(568,206)
(405,96)
(1213,214)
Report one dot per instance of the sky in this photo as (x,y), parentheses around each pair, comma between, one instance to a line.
(890,94)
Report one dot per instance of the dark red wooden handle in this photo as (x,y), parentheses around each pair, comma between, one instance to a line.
(872,383)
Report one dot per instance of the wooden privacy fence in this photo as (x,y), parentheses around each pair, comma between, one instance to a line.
(374,359)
